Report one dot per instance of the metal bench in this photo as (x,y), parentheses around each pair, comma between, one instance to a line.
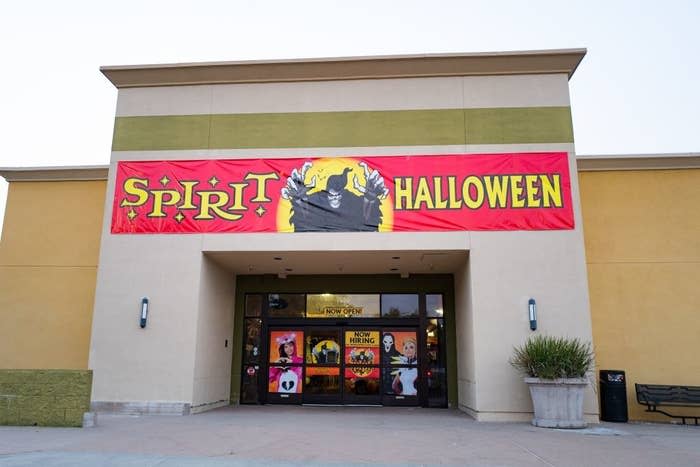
(654,395)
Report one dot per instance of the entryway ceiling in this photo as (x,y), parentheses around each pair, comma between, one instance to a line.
(340,262)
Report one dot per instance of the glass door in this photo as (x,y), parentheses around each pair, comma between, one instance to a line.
(322,354)
(361,372)
(286,365)
(400,371)
(344,365)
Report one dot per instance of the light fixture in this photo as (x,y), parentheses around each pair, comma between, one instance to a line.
(282,275)
(144,312)
(404,275)
(532,313)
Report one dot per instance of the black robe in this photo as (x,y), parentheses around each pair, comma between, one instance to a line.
(355,214)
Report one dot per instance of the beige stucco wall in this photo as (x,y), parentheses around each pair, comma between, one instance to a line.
(156,363)
(643,254)
(214,348)
(48,263)
(464,324)
(332,96)
(494,285)
(508,269)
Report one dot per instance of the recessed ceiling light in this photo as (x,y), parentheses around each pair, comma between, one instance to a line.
(277,258)
(395,257)
(288,269)
(394,269)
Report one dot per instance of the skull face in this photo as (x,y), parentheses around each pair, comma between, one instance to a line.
(388,341)
(334,198)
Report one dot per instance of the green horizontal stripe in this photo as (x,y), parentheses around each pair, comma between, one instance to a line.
(345,129)
(520,125)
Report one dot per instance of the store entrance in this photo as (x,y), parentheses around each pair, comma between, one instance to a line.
(352,349)
(344,365)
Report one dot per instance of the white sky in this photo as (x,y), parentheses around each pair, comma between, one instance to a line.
(635,92)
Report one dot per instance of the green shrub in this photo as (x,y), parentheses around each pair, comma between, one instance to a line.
(550,357)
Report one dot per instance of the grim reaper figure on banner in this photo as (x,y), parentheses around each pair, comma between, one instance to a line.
(335,208)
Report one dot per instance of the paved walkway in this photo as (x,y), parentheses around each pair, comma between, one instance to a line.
(291,436)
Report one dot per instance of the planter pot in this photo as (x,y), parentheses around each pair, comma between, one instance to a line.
(558,403)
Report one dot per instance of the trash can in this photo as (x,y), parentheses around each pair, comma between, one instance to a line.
(613,396)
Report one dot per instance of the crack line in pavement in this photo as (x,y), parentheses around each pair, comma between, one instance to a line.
(532,453)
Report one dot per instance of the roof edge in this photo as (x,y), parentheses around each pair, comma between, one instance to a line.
(55,174)
(592,163)
(346,68)
(586,163)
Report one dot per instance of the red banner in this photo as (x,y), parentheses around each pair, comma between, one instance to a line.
(526,191)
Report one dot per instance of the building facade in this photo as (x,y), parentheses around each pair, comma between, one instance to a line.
(217,217)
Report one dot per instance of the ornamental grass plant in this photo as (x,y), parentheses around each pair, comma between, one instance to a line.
(548,357)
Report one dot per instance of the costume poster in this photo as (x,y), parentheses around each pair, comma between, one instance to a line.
(362,347)
(400,349)
(356,373)
(401,381)
(285,374)
(322,371)
(361,353)
(323,349)
(512,191)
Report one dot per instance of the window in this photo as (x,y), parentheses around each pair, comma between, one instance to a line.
(253,305)
(286,305)
(399,305)
(342,305)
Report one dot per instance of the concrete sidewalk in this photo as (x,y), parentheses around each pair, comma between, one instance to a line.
(290,436)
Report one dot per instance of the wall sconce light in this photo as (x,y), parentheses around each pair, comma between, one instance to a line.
(532,313)
(144,312)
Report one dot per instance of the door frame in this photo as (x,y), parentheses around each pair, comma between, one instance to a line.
(341,397)
(331,399)
(264,378)
(442,393)
(368,399)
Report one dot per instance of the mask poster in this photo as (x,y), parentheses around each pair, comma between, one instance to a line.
(400,351)
(513,191)
(285,374)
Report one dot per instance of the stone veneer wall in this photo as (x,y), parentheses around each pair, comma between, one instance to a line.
(44,397)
